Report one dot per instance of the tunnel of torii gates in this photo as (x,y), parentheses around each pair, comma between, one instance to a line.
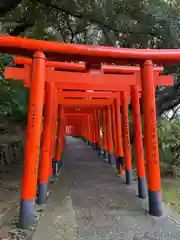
(83,89)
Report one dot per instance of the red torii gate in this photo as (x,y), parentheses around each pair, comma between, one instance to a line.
(92,95)
(79,76)
(159,80)
(126,136)
(77,121)
(98,54)
(43,177)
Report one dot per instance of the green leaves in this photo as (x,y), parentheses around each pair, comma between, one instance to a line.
(169,144)
(127,23)
(13,96)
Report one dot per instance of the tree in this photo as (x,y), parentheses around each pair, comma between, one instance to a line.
(125,23)
(169,147)
(13,96)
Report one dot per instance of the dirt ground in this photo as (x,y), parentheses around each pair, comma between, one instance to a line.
(10,183)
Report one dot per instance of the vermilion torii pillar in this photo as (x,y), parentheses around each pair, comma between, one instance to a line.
(45,160)
(113,118)
(126,135)
(139,151)
(104,134)
(98,147)
(95,130)
(88,130)
(120,154)
(53,135)
(88,139)
(59,141)
(92,130)
(33,133)
(111,157)
(151,139)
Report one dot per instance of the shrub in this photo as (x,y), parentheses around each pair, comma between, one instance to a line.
(169,145)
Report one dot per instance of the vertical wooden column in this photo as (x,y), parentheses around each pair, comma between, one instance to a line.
(93,130)
(151,139)
(89,130)
(98,147)
(114,130)
(53,136)
(100,132)
(104,134)
(33,135)
(120,154)
(111,158)
(59,141)
(96,129)
(126,135)
(84,129)
(81,129)
(46,143)
(138,143)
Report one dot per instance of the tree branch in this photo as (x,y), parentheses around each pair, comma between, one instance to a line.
(7,5)
(70,29)
(174,113)
(62,34)
(102,23)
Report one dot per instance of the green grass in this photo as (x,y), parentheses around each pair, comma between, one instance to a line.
(171,191)
(134,176)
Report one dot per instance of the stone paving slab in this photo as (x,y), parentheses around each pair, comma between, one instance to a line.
(90,202)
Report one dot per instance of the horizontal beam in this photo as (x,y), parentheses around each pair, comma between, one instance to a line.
(26,47)
(79,102)
(85,110)
(92,86)
(85,81)
(115,80)
(59,65)
(72,80)
(114,69)
(76,94)
(75,114)
(84,107)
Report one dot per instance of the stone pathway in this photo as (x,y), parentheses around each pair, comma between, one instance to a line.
(90,202)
